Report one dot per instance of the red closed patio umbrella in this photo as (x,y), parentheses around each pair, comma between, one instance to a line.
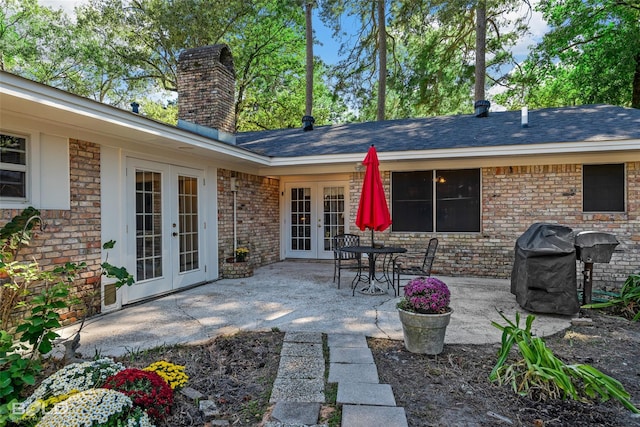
(373,211)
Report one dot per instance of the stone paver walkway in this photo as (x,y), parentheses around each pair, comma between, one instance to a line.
(298,391)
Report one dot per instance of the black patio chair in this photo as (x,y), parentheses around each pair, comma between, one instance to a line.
(413,265)
(345,260)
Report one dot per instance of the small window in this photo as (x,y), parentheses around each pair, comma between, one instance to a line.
(453,195)
(603,188)
(13,166)
(458,200)
(412,201)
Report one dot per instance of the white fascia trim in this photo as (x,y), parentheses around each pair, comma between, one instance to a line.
(469,152)
(65,101)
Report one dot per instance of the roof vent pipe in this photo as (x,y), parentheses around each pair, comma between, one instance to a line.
(307,123)
(482,108)
(525,117)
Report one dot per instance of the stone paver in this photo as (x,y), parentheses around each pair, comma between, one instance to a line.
(346,340)
(369,416)
(301,367)
(365,394)
(349,372)
(302,349)
(297,390)
(304,413)
(350,355)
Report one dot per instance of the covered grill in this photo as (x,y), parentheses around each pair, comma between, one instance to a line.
(544,270)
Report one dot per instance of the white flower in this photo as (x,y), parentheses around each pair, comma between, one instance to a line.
(94,406)
(76,376)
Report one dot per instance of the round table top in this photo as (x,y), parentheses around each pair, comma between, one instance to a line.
(373,249)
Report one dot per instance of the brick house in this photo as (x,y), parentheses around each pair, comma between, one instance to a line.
(178,199)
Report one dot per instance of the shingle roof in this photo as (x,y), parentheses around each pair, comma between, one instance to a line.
(550,125)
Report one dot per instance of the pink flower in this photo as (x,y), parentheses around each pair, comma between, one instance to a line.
(426,295)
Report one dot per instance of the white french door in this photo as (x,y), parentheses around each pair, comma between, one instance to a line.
(165,227)
(314,213)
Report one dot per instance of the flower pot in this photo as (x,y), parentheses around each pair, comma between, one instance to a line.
(232,269)
(424,333)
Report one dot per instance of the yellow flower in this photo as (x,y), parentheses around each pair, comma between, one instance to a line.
(173,374)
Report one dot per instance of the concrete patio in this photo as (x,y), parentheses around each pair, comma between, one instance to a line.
(296,296)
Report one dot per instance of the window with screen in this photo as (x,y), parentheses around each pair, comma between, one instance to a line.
(13,166)
(412,201)
(603,188)
(440,200)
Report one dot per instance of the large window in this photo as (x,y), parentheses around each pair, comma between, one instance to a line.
(603,188)
(13,166)
(440,200)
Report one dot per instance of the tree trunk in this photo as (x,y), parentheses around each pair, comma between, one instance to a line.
(481,43)
(635,96)
(309,76)
(382,56)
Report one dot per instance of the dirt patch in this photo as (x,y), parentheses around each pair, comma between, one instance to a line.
(451,389)
(235,372)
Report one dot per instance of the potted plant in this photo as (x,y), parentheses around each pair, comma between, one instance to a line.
(425,313)
(241,254)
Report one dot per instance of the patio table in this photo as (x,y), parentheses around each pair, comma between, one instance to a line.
(373,251)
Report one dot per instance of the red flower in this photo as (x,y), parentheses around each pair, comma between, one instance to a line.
(146,389)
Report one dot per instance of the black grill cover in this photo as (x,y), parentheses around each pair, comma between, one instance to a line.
(544,270)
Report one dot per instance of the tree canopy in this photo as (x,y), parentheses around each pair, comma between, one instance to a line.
(124,51)
(590,55)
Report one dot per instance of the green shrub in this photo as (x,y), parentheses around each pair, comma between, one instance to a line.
(628,302)
(540,371)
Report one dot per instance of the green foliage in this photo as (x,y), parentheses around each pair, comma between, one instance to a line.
(590,55)
(17,275)
(16,372)
(120,273)
(540,371)
(431,52)
(628,302)
(34,335)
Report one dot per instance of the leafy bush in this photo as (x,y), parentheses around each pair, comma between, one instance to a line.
(542,372)
(23,344)
(628,302)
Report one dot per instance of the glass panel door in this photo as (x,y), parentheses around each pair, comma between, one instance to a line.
(188,220)
(148,225)
(166,204)
(333,212)
(301,239)
(187,226)
(315,213)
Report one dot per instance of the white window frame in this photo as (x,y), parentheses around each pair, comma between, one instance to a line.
(26,168)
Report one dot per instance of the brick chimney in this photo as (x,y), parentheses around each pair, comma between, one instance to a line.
(206,83)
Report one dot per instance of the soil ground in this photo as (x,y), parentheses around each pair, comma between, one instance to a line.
(450,389)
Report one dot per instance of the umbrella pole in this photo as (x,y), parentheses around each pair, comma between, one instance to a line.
(372,242)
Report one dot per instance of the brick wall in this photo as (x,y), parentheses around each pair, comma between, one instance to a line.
(513,198)
(257,213)
(72,235)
